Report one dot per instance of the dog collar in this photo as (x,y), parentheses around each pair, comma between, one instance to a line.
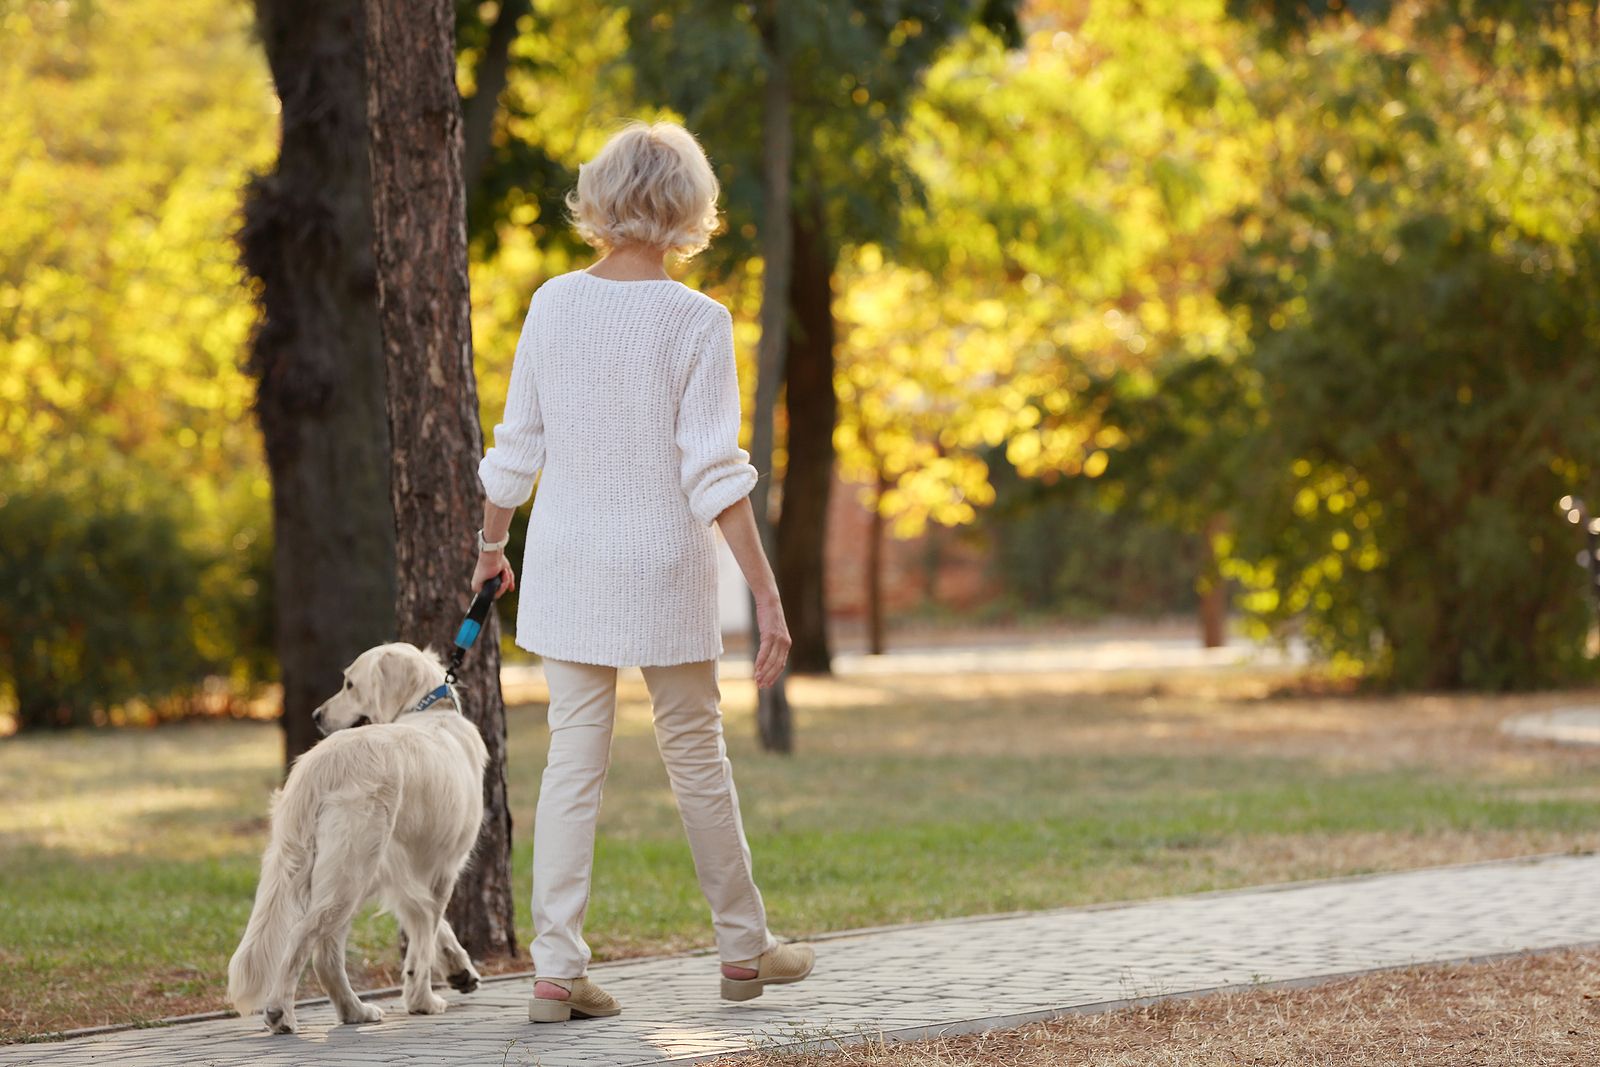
(431,699)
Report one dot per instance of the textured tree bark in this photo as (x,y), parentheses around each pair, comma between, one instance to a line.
(813,408)
(419,215)
(317,359)
(774,722)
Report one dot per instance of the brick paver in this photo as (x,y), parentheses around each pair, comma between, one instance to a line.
(959,976)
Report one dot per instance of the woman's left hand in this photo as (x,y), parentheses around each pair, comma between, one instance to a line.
(489,565)
(773,652)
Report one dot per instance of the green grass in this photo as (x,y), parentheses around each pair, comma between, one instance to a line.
(128,860)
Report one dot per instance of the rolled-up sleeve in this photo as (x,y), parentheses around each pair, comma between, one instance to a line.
(512,464)
(716,472)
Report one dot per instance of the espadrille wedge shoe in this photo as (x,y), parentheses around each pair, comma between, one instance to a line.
(587,1001)
(777,966)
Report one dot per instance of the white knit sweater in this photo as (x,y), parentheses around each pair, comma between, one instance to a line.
(626,395)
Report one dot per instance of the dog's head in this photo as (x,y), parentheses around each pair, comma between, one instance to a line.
(381,685)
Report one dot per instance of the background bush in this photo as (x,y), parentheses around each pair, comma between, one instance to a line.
(1424,414)
(106,605)
(1060,549)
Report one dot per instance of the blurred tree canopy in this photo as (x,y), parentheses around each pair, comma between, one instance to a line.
(1419,278)
(1302,291)
(1074,186)
(126,131)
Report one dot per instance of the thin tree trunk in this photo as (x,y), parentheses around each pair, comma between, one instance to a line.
(813,411)
(317,359)
(774,722)
(1213,590)
(419,213)
(478,110)
(876,642)
(932,563)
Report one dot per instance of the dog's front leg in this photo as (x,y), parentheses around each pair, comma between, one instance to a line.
(280,1017)
(421,923)
(328,960)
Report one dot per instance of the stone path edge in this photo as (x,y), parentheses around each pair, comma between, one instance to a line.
(984,1024)
(58,1036)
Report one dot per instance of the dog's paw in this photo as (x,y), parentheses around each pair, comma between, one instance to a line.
(430,1004)
(464,981)
(362,1013)
(281,1020)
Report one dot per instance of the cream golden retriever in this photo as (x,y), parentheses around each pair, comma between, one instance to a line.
(389,811)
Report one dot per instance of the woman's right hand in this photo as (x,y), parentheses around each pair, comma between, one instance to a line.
(774,651)
(489,565)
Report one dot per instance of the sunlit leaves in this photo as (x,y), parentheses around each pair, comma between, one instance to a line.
(126,131)
(1419,277)
(1074,226)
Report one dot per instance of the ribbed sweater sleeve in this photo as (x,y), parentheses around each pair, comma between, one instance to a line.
(716,472)
(510,467)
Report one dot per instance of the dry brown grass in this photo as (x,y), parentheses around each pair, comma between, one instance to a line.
(1239,711)
(1528,1011)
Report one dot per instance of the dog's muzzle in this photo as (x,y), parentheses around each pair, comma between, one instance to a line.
(322,726)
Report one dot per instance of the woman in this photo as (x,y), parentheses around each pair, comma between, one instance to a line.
(625,393)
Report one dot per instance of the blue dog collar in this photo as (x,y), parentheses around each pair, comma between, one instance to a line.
(432,698)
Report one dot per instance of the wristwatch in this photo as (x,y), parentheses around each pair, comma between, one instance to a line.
(492,546)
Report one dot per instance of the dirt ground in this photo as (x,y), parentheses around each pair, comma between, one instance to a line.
(1526,1011)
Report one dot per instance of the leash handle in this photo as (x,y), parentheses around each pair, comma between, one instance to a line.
(472,625)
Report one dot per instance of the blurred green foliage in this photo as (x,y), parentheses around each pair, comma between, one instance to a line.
(1070,549)
(94,611)
(1320,277)
(135,525)
(1426,410)
(1377,444)
(1419,278)
(106,606)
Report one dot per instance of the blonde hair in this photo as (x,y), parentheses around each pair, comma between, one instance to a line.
(651,185)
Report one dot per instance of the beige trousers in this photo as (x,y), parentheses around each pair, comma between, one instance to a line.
(686,700)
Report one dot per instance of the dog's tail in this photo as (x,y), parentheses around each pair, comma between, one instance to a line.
(328,840)
(282,899)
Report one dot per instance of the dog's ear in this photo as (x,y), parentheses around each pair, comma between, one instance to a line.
(405,676)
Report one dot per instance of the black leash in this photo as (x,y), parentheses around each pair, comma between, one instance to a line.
(466,637)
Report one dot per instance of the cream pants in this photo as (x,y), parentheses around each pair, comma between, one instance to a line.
(686,700)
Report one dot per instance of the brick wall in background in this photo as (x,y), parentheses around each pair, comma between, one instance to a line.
(948,559)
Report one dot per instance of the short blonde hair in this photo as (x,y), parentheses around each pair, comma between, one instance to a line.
(650,185)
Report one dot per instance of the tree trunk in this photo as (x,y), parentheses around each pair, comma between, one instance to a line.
(812,407)
(876,643)
(774,724)
(1212,588)
(317,359)
(932,564)
(419,213)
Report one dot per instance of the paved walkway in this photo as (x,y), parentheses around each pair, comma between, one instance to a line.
(957,976)
(1567,726)
(1109,652)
